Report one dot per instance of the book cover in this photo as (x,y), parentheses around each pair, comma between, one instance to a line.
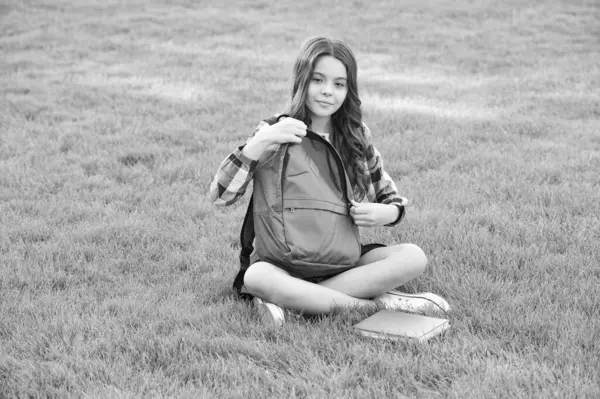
(400,325)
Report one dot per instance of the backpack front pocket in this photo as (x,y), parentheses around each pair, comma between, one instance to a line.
(320,233)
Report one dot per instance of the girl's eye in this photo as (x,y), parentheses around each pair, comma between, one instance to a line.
(339,84)
(317,80)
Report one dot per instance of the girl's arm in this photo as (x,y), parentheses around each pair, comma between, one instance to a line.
(232,178)
(382,188)
(237,170)
(235,173)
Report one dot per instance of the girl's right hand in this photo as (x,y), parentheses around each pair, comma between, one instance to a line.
(288,130)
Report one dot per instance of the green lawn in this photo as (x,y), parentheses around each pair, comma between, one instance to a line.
(115,268)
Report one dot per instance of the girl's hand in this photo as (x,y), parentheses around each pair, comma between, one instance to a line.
(287,130)
(370,215)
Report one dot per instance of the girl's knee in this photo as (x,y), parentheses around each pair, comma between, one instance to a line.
(259,278)
(256,275)
(411,256)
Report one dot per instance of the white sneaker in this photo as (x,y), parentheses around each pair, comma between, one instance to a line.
(269,313)
(424,302)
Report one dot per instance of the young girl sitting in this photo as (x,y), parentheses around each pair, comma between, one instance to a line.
(325,100)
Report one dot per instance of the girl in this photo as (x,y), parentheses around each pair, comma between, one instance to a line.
(325,100)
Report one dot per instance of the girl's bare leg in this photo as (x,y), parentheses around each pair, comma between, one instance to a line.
(275,285)
(379,270)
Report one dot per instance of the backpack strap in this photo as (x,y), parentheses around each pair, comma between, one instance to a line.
(246,245)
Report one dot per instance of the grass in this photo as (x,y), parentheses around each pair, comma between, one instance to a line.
(115,269)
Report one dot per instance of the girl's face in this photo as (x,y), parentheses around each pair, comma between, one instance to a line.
(327,88)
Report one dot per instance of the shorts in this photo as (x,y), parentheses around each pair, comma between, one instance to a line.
(364,248)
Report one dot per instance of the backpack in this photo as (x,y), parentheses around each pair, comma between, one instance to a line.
(298,214)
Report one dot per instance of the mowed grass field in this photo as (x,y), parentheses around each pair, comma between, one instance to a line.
(115,268)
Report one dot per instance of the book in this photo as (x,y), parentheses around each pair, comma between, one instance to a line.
(400,325)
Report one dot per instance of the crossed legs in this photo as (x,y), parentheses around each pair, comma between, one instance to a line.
(378,271)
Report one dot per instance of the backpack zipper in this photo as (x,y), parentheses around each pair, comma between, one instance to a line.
(337,157)
(338,160)
(286,158)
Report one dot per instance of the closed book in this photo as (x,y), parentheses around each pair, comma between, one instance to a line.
(400,325)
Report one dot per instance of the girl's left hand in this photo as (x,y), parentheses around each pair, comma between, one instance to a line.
(373,214)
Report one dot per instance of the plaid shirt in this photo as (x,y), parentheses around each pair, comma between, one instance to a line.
(236,172)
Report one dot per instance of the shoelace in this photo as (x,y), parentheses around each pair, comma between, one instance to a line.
(425,298)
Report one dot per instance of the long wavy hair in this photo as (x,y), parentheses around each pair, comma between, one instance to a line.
(348,136)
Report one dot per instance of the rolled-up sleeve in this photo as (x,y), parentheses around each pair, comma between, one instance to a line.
(232,178)
(381,187)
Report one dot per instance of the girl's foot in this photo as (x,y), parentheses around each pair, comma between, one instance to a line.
(269,313)
(424,302)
